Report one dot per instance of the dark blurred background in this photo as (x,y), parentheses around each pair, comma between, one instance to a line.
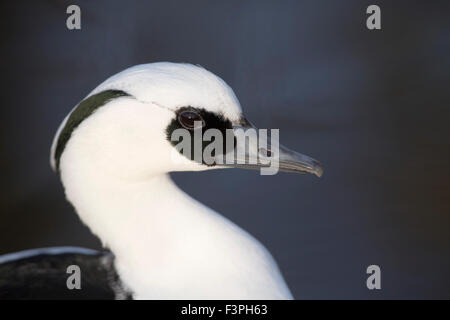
(372,106)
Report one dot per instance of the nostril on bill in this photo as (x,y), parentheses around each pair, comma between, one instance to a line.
(265,152)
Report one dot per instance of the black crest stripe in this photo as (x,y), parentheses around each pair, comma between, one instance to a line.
(86,108)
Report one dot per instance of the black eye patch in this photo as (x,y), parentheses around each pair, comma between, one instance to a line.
(190,119)
(185,118)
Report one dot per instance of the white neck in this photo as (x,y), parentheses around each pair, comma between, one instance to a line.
(168,245)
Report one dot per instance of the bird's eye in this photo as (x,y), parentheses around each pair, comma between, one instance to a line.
(190,119)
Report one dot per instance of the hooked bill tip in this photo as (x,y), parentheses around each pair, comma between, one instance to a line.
(318,171)
(317,168)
